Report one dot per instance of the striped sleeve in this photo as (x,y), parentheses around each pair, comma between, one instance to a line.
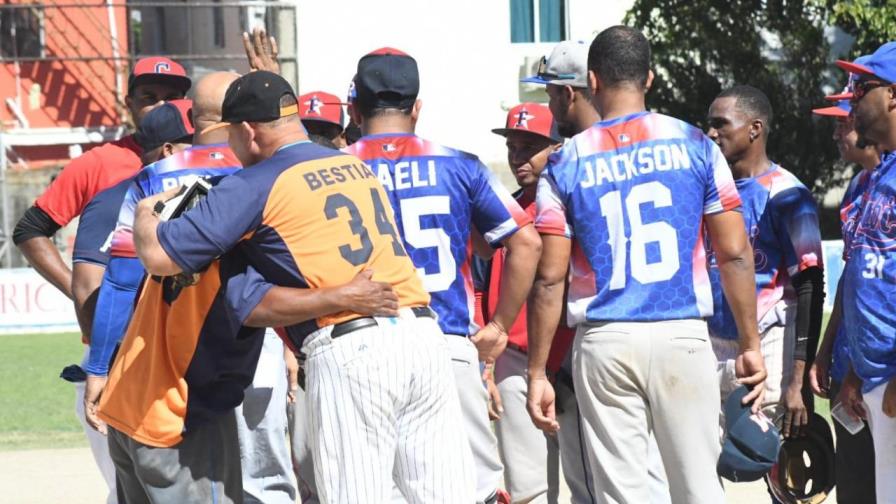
(720,193)
(496,213)
(550,216)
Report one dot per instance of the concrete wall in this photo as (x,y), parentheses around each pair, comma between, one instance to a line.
(68,93)
(469,69)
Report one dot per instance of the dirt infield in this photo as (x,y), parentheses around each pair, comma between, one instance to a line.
(68,475)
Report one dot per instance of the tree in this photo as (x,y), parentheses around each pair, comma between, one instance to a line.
(701,47)
(870,22)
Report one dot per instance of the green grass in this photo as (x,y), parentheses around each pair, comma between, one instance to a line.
(36,406)
(823,406)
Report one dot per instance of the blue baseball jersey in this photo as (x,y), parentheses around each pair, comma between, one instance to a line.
(435,192)
(122,278)
(92,239)
(849,212)
(781,219)
(632,193)
(869,281)
(207,161)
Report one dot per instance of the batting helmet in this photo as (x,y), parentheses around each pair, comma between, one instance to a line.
(804,473)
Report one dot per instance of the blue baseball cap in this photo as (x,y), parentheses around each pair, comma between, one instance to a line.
(751,443)
(882,64)
(846,94)
(170,122)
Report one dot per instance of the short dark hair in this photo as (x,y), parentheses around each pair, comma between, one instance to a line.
(322,141)
(286,100)
(370,113)
(752,102)
(620,55)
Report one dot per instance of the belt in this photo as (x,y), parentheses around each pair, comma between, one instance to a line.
(517,347)
(343,328)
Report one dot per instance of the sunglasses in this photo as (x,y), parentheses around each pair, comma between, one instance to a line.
(863,87)
(543,73)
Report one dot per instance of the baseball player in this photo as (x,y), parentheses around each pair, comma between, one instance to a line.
(868,286)
(781,220)
(531,459)
(160,134)
(189,355)
(433,191)
(382,405)
(635,190)
(323,116)
(261,419)
(564,75)
(152,81)
(855,452)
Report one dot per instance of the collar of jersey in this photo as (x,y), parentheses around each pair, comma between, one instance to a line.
(387,135)
(619,120)
(293,144)
(766,173)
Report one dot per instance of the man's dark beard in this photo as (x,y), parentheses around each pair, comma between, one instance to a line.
(863,143)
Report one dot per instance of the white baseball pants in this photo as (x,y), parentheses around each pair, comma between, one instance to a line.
(260,426)
(637,378)
(474,409)
(883,432)
(383,409)
(776,345)
(99,445)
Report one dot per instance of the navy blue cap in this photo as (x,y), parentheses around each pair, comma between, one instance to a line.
(386,78)
(882,64)
(751,443)
(166,123)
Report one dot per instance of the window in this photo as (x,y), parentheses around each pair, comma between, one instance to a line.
(537,21)
(26,34)
(218,25)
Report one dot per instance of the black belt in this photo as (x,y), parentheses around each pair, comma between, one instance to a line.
(343,328)
(517,347)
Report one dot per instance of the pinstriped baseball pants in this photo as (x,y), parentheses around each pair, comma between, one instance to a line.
(382,409)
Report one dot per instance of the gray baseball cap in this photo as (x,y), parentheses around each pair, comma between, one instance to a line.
(566,66)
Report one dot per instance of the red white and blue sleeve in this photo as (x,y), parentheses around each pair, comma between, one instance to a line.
(496,214)
(720,194)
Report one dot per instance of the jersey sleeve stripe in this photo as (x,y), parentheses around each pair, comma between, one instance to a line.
(505,229)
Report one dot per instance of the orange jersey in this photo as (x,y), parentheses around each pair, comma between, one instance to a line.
(185,358)
(307,217)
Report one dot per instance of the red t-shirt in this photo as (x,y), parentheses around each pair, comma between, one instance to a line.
(518,335)
(88,174)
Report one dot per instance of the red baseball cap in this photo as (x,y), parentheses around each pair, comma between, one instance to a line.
(159,70)
(531,118)
(321,106)
(840,110)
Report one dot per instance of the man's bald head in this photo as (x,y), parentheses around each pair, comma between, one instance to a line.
(208,97)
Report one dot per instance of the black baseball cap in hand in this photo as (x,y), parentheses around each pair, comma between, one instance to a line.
(386,78)
(255,97)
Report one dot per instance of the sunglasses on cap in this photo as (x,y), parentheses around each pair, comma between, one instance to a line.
(862,87)
(543,73)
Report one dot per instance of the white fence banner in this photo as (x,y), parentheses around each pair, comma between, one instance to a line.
(833,268)
(29,304)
